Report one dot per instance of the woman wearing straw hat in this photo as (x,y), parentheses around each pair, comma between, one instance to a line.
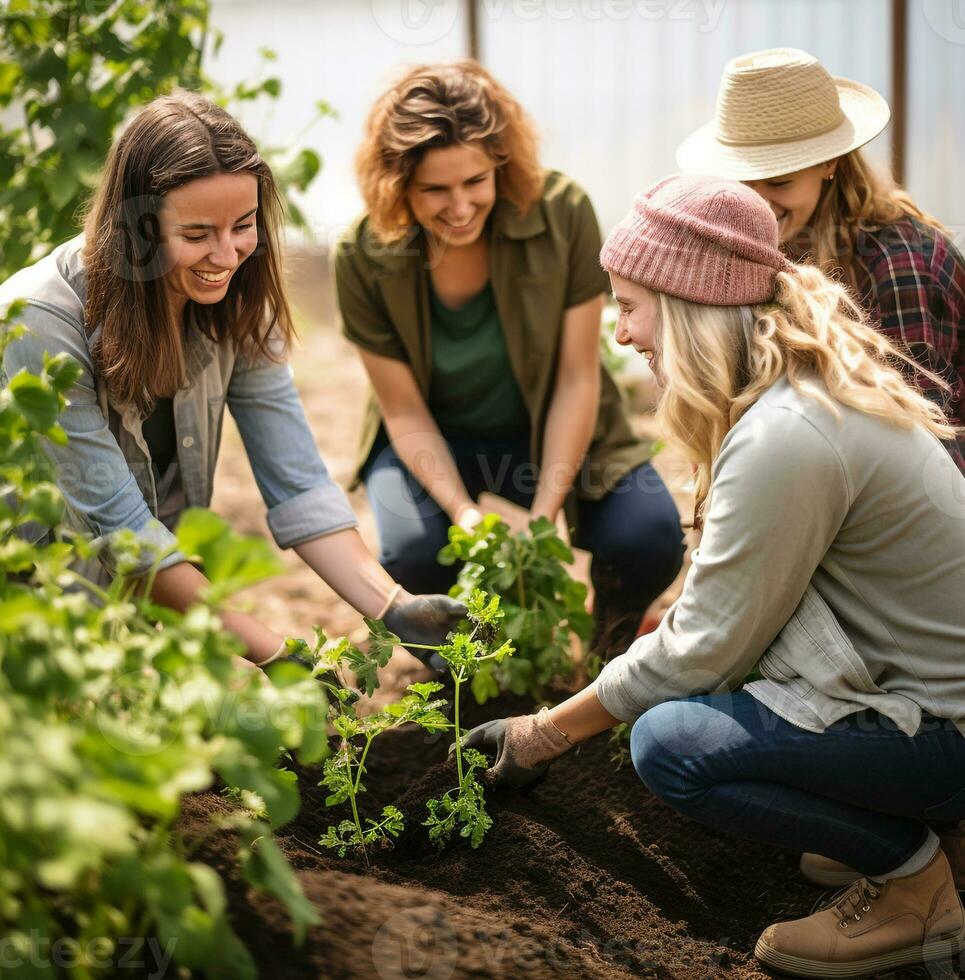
(819,472)
(793,133)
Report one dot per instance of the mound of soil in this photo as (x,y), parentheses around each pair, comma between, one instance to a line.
(586,876)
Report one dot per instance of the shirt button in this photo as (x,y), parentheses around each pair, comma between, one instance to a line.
(187,442)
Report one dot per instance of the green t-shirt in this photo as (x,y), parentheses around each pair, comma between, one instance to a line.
(473,390)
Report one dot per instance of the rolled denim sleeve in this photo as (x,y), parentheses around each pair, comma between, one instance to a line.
(100,491)
(302,498)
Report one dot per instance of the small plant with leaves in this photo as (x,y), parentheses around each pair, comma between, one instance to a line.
(466,653)
(619,742)
(344,769)
(544,608)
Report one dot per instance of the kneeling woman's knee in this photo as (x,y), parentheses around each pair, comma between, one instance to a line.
(662,750)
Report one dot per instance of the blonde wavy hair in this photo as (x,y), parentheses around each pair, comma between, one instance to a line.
(435,106)
(715,363)
(860,197)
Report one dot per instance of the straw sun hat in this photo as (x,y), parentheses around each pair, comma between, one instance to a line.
(779,111)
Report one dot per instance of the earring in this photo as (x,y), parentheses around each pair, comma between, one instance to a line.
(830,177)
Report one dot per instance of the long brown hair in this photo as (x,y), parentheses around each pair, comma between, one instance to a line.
(435,106)
(173,140)
(860,197)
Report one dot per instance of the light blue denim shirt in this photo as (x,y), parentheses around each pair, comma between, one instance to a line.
(105,471)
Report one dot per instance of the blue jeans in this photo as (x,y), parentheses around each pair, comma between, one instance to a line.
(860,792)
(633,532)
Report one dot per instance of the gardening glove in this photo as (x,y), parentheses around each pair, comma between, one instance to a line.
(425,619)
(524,746)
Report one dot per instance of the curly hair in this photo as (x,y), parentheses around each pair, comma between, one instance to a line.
(716,362)
(436,106)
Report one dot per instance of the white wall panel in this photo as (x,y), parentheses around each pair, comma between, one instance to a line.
(613,85)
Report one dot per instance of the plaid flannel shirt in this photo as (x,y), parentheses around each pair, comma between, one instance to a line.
(910,279)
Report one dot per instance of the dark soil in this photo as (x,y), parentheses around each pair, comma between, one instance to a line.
(586,876)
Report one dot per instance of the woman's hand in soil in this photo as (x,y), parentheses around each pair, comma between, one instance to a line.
(523,746)
(425,619)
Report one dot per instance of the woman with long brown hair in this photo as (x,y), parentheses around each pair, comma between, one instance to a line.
(472,289)
(807,689)
(173,303)
(794,134)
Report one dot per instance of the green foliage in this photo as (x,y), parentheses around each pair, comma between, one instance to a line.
(619,742)
(106,722)
(544,608)
(76,70)
(345,768)
(231,563)
(348,835)
(467,654)
(462,807)
(73,70)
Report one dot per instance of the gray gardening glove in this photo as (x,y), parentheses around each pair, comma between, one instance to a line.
(425,619)
(523,745)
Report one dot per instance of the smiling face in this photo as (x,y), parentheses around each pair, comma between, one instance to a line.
(793,197)
(208,229)
(452,192)
(638,320)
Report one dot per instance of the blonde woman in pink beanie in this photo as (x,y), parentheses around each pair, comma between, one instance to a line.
(820,472)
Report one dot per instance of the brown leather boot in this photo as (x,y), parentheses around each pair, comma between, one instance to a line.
(819,870)
(872,928)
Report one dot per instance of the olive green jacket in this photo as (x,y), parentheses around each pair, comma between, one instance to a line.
(542,263)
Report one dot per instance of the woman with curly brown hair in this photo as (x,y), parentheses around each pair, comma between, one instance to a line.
(473,290)
(173,303)
(793,133)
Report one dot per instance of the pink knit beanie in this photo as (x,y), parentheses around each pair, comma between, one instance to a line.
(700,238)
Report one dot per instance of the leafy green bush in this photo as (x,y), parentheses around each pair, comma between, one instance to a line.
(76,69)
(543,607)
(107,721)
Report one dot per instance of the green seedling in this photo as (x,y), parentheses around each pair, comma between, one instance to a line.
(344,770)
(619,742)
(466,654)
(544,608)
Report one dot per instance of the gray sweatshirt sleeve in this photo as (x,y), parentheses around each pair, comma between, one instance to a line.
(778,498)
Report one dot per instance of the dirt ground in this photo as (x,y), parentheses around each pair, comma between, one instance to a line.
(587,876)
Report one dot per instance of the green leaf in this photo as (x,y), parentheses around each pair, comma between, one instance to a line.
(244,771)
(484,685)
(300,170)
(265,867)
(230,561)
(39,403)
(43,503)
